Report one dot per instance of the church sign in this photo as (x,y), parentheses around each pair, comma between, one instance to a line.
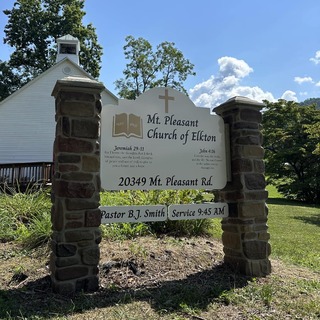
(161,140)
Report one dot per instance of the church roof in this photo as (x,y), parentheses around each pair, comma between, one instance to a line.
(68,37)
(56,65)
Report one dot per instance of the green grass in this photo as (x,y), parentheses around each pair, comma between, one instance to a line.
(273,192)
(293,226)
(26,217)
(286,293)
(295,229)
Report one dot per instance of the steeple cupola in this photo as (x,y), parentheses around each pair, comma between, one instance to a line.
(68,46)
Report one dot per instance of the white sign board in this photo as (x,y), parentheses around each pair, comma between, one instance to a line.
(198,211)
(161,141)
(113,214)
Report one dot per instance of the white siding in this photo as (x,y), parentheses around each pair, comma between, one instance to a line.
(27,118)
(107,98)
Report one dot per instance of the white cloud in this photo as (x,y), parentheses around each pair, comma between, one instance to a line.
(301,80)
(316,58)
(226,84)
(318,84)
(230,66)
(289,96)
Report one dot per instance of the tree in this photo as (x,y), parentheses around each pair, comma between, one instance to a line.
(292,163)
(32,29)
(9,82)
(314,131)
(147,69)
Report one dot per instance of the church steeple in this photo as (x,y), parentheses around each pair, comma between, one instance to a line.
(68,46)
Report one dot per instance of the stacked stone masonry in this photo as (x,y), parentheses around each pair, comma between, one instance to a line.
(76,187)
(245,232)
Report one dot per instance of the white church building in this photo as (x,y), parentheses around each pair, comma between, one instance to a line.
(27,117)
(27,120)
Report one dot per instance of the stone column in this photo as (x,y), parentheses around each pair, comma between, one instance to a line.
(76,185)
(245,232)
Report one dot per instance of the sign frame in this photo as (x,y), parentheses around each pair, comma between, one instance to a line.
(162,141)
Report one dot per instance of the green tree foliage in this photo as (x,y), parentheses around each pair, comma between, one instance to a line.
(314,131)
(292,163)
(9,80)
(147,68)
(32,29)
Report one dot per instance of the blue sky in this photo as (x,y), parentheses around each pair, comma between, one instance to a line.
(259,49)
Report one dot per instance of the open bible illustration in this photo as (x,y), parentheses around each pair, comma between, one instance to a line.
(128,125)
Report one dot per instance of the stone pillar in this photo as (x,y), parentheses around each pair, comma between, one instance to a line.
(245,232)
(76,186)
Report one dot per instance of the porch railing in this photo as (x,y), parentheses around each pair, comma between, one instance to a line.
(23,174)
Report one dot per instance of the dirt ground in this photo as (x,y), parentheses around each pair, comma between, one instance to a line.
(165,275)
(144,261)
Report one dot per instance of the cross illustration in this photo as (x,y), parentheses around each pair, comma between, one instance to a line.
(166,98)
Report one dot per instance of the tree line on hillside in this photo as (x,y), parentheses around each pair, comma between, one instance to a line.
(291,130)
(311,101)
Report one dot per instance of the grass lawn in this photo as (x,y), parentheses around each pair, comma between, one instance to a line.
(182,278)
(295,231)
